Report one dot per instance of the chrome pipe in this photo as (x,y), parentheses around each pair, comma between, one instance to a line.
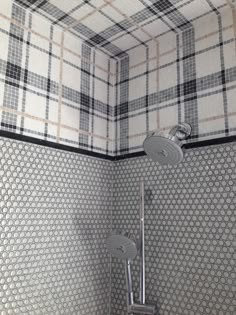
(142,247)
(142,309)
(129,285)
(180,132)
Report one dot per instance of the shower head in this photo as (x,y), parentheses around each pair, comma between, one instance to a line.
(166,148)
(121,245)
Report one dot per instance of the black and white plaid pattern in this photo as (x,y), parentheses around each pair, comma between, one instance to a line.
(29,84)
(110,94)
(113,32)
(196,82)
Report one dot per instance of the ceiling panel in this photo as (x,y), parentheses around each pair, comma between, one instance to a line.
(118,25)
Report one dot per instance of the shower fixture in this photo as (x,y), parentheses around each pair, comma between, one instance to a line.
(123,246)
(166,148)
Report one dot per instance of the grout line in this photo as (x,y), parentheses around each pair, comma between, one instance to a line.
(234,24)
(212,33)
(60,87)
(196,40)
(87,15)
(230,4)
(157,83)
(171,31)
(24,114)
(134,66)
(216,117)
(203,120)
(132,21)
(87,60)
(59,27)
(158,119)
(233,9)
(50,122)
(12,21)
(157,64)
(49,40)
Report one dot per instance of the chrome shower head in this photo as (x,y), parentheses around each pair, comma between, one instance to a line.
(166,148)
(121,245)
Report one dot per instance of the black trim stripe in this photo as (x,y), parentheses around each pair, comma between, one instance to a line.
(187,146)
(53,145)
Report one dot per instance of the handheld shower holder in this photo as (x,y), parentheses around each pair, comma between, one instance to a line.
(133,307)
(122,245)
(146,309)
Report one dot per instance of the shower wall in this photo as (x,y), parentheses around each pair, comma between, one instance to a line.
(57,206)
(189,231)
(55,215)
(53,87)
(186,74)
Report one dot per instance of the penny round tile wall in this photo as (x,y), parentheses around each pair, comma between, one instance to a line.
(190,231)
(55,215)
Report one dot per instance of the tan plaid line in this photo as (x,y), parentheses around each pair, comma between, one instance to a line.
(233,10)
(217,117)
(60,87)
(52,42)
(50,122)
(131,20)
(157,81)
(157,57)
(24,114)
(98,66)
(165,53)
(230,3)
(12,21)
(212,118)
(234,22)
(157,64)
(87,60)
(87,15)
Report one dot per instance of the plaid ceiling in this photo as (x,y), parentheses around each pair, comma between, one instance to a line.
(116,26)
(55,87)
(185,76)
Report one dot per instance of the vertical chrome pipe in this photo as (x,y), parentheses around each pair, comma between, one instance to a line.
(142,247)
(128,276)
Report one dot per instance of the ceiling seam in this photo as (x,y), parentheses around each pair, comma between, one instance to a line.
(131,20)
(45,37)
(85,17)
(233,11)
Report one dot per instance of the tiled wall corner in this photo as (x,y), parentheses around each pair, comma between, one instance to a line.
(55,215)
(189,231)
(53,87)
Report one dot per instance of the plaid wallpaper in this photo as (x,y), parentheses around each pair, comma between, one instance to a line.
(188,74)
(53,86)
(69,76)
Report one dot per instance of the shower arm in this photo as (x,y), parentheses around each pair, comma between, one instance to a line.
(181,131)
